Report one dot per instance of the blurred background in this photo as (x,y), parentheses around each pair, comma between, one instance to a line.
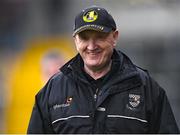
(36,39)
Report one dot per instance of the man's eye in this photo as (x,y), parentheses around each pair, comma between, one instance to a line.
(102,36)
(83,37)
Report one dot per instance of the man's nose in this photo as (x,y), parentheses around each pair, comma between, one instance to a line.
(92,44)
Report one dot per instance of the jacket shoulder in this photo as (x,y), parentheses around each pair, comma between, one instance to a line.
(152,87)
(144,74)
(43,94)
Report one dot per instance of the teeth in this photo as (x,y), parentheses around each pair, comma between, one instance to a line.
(94,53)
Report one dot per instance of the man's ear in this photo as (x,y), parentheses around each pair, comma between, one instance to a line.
(115,36)
(74,38)
(75,41)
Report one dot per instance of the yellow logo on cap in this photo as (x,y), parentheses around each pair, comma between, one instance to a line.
(90,16)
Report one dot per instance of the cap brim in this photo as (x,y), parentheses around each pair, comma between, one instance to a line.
(92,27)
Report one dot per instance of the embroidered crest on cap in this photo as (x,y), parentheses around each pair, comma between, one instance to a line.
(134,100)
(90,16)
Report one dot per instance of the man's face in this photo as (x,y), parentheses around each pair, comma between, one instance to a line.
(96,48)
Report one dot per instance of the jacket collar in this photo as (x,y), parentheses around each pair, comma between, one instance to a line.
(75,64)
(122,65)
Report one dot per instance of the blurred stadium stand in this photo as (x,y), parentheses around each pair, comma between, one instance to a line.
(149,35)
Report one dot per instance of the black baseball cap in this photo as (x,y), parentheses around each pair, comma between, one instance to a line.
(94,18)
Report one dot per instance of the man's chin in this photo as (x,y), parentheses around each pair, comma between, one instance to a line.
(93,66)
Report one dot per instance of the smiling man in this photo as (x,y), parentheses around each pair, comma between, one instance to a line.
(96,49)
(100,90)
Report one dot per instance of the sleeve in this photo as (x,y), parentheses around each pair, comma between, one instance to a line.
(36,121)
(168,123)
(40,121)
(163,120)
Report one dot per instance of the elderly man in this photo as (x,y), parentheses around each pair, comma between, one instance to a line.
(100,90)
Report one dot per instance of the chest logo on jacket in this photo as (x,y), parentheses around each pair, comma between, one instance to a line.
(134,100)
(68,102)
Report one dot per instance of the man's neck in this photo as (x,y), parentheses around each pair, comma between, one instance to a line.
(98,73)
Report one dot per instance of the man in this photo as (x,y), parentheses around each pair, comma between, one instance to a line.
(100,90)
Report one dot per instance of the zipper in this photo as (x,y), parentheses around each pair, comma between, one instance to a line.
(96,95)
(94,111)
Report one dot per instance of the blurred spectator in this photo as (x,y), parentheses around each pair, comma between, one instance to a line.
(50,64)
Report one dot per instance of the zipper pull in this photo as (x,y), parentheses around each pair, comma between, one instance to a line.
(95,95)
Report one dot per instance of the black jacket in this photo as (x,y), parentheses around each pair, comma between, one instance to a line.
(129,101)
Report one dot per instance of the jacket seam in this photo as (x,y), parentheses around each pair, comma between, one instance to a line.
(73,116)
(127,117)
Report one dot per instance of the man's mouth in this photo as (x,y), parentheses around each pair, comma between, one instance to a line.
(96,52)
